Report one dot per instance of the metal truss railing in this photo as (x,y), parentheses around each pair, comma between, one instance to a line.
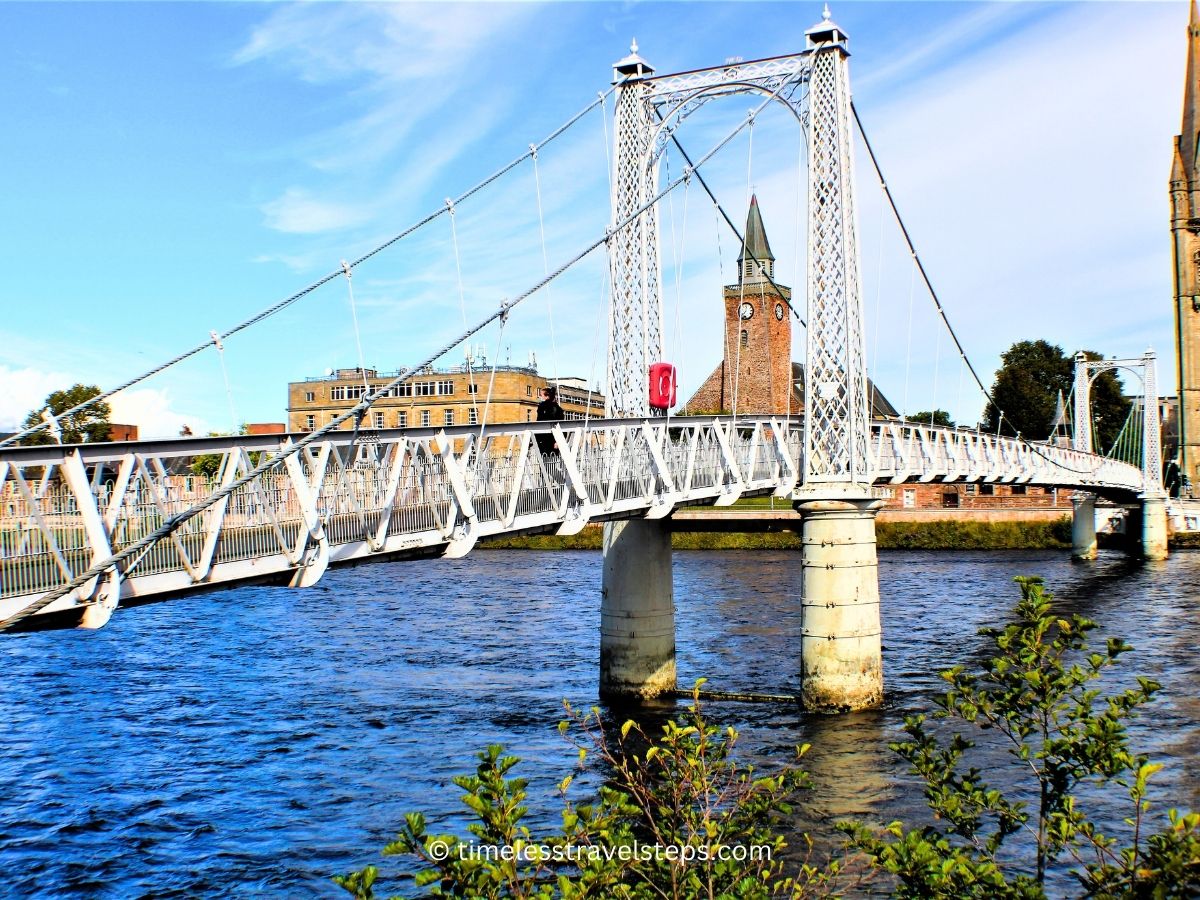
(350,498)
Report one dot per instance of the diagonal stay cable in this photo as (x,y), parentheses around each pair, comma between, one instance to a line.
(733,227)
(324,280)
(356,411)
(920,267)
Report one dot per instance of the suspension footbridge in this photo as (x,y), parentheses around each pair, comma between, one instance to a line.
(87,528)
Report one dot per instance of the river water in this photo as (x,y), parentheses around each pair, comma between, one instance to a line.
(256,741)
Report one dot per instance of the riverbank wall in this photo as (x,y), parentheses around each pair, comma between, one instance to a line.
(902,534)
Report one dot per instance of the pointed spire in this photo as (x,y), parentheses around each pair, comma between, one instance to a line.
(1190,131)
(756,246)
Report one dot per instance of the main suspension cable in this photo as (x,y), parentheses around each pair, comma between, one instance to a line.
(938,304)
(321,282)
(357,411)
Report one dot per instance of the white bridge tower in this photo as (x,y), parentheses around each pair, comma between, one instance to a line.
(840,645)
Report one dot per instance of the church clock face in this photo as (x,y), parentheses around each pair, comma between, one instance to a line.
(746,310)
(779,311)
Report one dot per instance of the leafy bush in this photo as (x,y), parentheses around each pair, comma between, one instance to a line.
(1037,692)
(677,818)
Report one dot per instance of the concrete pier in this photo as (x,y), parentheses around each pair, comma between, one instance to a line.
(1083,526)
(637,611)
(1154,527)
(841,662)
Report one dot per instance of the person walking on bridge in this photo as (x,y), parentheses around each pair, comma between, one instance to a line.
(549,411)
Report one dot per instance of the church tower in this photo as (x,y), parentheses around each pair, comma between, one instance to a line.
(1185,233)
(755,375)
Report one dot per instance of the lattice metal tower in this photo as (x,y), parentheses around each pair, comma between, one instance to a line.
(649,110)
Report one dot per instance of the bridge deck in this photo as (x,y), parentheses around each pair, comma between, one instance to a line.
(348,498)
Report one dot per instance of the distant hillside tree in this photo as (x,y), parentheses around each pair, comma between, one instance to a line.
(1026,389)
(936,417)
(86,426)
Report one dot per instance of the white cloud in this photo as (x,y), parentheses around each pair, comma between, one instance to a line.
(151,411)
(24,389)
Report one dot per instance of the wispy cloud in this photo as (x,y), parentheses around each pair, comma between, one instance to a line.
(298,212)
(413,100)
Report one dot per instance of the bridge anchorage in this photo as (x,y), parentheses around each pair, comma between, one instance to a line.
(85,528)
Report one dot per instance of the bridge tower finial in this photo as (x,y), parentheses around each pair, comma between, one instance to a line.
(826,31)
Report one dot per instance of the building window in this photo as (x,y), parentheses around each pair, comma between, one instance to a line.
(472,388)
(378,420)
(1018,490)
(473,416)
(972,489)
(448,417)
(309,396)
(424,418)
(445,388)
(910,498)
(310,422)
(528,415)
(950,500)
(987,490)
(347,391)
(528,392)
(424,388)
(745,338)
(402,420)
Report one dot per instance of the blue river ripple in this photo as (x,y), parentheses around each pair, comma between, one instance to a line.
(257,741)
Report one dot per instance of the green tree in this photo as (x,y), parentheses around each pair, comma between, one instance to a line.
(1026,389)
(208,465)
(88,425)
(1038,695)
(936,417)
(683,791)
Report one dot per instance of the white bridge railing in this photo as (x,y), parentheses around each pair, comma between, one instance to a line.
(350,498)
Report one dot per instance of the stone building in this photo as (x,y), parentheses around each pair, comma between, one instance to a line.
(435,398)
(1185,233)
(975,495)
(756,374)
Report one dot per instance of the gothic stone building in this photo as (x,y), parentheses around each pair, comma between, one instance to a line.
(1185,232)
(756,375)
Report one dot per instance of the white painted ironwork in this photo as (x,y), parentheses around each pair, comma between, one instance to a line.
(648,111)
(814,85)
(835,396)
(1146,368)
(342,500)
(635,300)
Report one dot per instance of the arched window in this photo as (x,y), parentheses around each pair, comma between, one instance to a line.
(745,338)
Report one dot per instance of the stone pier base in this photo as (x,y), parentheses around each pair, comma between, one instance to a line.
(841,662)
(1154,527)
(637,611)
(1083,526)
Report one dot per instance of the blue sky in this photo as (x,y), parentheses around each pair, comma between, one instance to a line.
(169,169)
